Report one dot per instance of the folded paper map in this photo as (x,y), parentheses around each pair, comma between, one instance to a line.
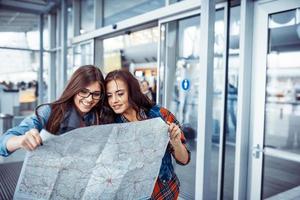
(115,161)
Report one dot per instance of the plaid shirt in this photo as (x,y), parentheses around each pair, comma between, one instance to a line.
(167,183)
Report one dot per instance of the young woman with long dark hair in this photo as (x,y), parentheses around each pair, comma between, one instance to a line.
(81,104)
(129,104)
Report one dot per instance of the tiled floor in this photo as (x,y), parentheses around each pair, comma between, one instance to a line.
(9,174)
(292,194)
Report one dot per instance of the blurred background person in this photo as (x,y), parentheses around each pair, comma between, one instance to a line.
(146,90)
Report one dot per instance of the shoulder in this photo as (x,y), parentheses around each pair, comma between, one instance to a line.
(44,110)
(159,111)
(154,111)
(168,116)
(43,114)
(164,111)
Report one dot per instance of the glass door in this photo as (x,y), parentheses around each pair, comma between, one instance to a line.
(178,86)
(275,159)
(178,89)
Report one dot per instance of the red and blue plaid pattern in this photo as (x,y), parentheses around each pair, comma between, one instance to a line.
(168,190)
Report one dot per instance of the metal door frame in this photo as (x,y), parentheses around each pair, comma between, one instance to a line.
(175,18)
(262,10)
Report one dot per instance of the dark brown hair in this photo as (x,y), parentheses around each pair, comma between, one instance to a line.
(135,96)
(81,78)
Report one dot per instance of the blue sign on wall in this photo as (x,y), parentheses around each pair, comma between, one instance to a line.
(185,84)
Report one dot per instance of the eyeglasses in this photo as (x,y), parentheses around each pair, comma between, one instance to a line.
(85,93)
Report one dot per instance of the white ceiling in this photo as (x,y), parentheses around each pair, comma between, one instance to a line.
(13,21)
(23,15)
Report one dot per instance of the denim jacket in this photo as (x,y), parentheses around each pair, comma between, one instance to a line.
(166,171)
(71,121)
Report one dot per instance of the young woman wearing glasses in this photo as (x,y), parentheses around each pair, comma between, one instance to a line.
(81,104)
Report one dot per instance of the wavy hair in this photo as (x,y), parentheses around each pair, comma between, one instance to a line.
(81,78)
(135,96)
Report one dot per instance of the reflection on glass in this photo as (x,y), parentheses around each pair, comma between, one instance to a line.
(175,1)
(83,54)
(70,19)
(79,55)
(282,90)
(162,67)
(71,65)
(137,52)
(115,10)
(219,76)
(232,92)
(287,18)
(46,33)
(86,16)
(184,100)
(20,77)
(181,41)
(46,81)
(26,36)
(180,72)
(282,109)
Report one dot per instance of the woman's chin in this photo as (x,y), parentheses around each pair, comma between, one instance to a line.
(84,110)
(118,112)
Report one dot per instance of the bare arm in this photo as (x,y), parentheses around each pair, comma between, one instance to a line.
(180,152)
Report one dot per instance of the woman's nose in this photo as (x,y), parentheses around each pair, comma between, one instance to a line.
(89,98)
(114,97)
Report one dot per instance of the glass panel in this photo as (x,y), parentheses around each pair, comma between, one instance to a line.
(19,30)
(232,92)
(86,16)
(136,51)
(19,75)
(218,107)
(46,34)
(46,64)
(282,112)
(175,1)
(180,50)
(162,67)
(71,65)
(181,78)
(70,19)
(87,54)
(81,54)
(115,10)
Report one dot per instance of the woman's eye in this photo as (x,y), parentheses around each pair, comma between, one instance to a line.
(84,93)
(120,94)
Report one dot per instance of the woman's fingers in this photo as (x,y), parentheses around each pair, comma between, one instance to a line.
(29,145)
(31,140)
(174,131)
(26,143)
(35,133)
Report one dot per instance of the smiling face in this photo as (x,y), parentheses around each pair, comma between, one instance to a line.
(84,105)
(117,95)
